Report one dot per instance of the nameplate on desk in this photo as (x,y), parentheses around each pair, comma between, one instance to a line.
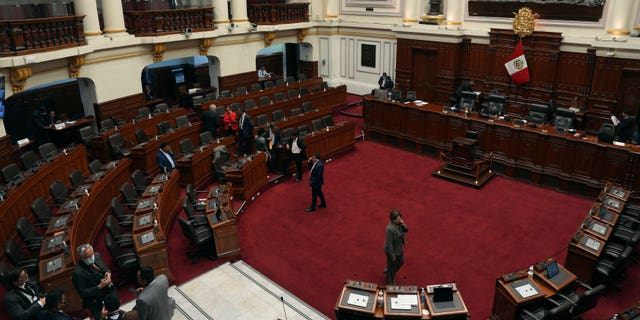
(55,241)
(591,243)
(599,228)
(147,237)
(144,204)
(71,204)
(358,300)
(153,189)
(144,220)
(60,222)
(431,288)
(54,264)
(526,290)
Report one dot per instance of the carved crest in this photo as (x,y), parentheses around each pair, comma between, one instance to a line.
(524,22)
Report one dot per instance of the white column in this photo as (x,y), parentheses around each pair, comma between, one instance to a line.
(239,11)
(619,19)
(89,9)
(220,12)
(411,11)
(113,17)
(454,12)
(332,9)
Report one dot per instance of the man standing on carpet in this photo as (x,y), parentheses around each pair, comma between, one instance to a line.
(394,241)
(153,301)
(316,179)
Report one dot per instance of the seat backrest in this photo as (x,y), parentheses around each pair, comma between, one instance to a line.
(107,124)
(162,107)
(564,118)
(265,100)
(327,120)
(235,107)
(95,165)
(497,105)
(58,191)
(128,194)
(587,300)
(220,110)
(116,206)
(143,112)
(29,160)
(11,173)
(25,230)
(249,104)
(138,179)
(304,91)
(269,84)
(190,191)
(86,133)
(538,113)
(197,102)
(241,91)
(301,77)
(303,130)
(306,106)
(188,208)
(296,111)
(141,137)
(187,229)
(225,94)
(116,142)
(278,115)
(256,87)
(316,124)
(291,79)
(182,121)
(76,178)
(48,150)
(292,93)
(325,85)
(112,247)
(411,96)
(186,146)
(163,127)
(206,138)
(14,252)
(261,119)
(278,96)
(112,225)
(606,133)
(560,312)
(40,210)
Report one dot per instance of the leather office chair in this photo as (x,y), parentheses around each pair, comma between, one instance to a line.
(197,102)
(278,115)
(124,219)
(265,100)
(192,196)
(164,127)
(303,130)
(28,234)
(236,106)
(292,93)
(606,133)
(224,94)
(139,181)
(11,174)
(182,121)
(59,192)
(95,166)
(279,96)
(118,146)
(327,120)
(186,146)
(141,136)
(560,312)
(279,82)
(261,120)
(129,196)
(581,303)
(306,106)
(256,87)
(122,239)
(76,178)
(411,96)
(87,133)
(30,161)
(268,84)
(161,108)
(564,118)
(107,124)
(250,104)
(200,237)
(19,258)
(316,124)
(42,212)
(192,215)
(220,110)
(126,259)
(304,91)
(302,77)
(4,274)
(291,79)
(468,101)
(48,151)
(296,111)
(496,105)
(538,113)
(206,138)
(609,271)
(143,112)
(241,91)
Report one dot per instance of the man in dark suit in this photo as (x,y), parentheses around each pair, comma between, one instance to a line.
(55,307)
(92,280)
(316,180)
(246,133)
(165,160)
(23,301)
(153,302)
(274,141)
(210,121)
(625,127)
(393,245)
(297,152)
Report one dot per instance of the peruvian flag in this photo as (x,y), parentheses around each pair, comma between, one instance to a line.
(517,66)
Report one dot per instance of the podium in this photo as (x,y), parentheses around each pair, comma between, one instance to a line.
(460,164)
(357,301)
(222,220)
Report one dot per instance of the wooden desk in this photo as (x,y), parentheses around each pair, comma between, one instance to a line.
(55,273)
(600,212)
(149,238)
(597,228)
(197,169)
(584,251)
(540,155)
(222,220)
(100,144)
(392,292)
(447,309)
(364,291)
(18,200)
(67,131)
(632,313)
(322,100)
(144,154)
(250,178)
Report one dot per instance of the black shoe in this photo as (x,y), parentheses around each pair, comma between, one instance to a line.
(322,206)
(309,210)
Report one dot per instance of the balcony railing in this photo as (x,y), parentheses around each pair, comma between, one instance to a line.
(280,13)
(159,22)
(26,36)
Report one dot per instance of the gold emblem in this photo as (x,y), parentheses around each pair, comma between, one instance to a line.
(524,22)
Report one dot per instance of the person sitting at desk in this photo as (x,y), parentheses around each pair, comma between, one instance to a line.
(164,157)
(457,96)
(263,73)
(24,300)
(396,94)
(51,118)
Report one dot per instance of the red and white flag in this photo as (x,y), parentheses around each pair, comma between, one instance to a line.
(517,66)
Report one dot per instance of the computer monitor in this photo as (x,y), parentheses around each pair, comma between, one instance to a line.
(442,294)
(552,269)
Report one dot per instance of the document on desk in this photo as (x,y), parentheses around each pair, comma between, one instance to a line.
(410,299)
(599,228)
(397,304)
(593,244)
(358,300)
(526,290)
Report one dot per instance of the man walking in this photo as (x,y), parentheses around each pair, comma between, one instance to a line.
(316,179)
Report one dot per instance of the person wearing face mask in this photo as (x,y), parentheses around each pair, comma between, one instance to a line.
(92,280)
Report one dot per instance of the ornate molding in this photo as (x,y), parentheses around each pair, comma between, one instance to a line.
(158,51)
(18,78)
(75,63)
(302,33)
(269,37)
(524,22)
(205,44)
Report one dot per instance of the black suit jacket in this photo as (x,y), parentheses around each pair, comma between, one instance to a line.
(210,121)
(19,306)
(301,145)
(86,280)
(316,176)
(247,127)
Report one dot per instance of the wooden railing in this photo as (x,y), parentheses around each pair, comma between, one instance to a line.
(279,13)
(42,34)
(157,22)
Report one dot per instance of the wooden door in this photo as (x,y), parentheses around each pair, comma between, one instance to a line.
(425,68)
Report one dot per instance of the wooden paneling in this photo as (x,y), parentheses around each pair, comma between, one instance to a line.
(273,62)
(231,82)
(125,108)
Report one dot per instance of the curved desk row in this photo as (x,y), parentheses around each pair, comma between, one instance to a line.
(196,168)
(19,199)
